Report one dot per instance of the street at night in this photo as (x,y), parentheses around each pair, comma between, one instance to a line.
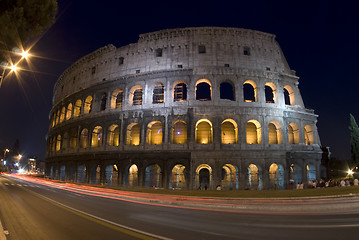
(37,211)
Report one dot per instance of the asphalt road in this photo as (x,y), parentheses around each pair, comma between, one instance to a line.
(34,211)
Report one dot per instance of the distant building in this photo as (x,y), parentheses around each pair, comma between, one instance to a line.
(184,108)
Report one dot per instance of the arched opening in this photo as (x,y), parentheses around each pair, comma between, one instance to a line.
(289,96)
(295,175)
(103,102)
(204,132)
(229,132)
(308,134)
(117,99)
(270,92)
(227,91)
(154,133)
(131,176)
(230,177)
(250,91)
(293,133)
(62,173)
(57,117)
(180,92)
(73,138)
(254,177)
(84,138)
(81,173)
(65,141)
(97,137)
(158,93)
(71,173)
(178,177)
(276,176)
(179,132)
(111,174)
(62,115)
(203,177)
(58,143)
(274,133)
(113,135)
(69,111)
(53,119)
(153,176)
(133,134)
(253,132)
(88,105)
(77,108)
(95,174)
(311,172)
(136,95)
(203,90)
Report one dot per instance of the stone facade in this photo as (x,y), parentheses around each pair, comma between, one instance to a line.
(184,108)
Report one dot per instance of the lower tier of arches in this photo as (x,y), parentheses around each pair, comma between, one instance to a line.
(187,170)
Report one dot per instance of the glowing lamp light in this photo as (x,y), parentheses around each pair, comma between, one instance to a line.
(25,54)
(350,172)
(21,170)
(178,133)
(13,68)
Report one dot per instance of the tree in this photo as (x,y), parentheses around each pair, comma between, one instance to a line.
(21,20)
(354,140)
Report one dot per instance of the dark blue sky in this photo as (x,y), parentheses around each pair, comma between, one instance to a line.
(318,38)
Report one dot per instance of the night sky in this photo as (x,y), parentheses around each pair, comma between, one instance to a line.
(319,40)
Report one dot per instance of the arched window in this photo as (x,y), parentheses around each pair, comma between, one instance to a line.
(270,92)
(88,105)
(69,111)
(154,133)
(84,138)
(62,115)
(77,109)
(274,133)
(289,97)
(103,102)
(53,119)
(308,134)
(293,133)
(133,134)
(180,92)
(58,143)
(227,91)
(249,91)
(65,141)
(204,132)
(136,96)
(113,135)
(97,137)
(117,99)
(179,132)
(57,117)
(203,90)
(229,132)
(73,138)
(158,93)
(253,130)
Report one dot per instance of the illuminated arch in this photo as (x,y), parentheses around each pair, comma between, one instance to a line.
(276,176)
(178,177)
(113,135)
(230,177)
(311,172)
(62,114)
(293,133)
(57,117)
(97,137)
(84,138)
(270,92)
(58,143)
(179,91)
(203,90)
(255,177)
(250,91)
(131,176)
(204,132)
(158,93)
(274,133)
(203,176)
(136,97)
(308,134)
(229,132)
(77,108)
(154,133)
(117,99)
(153,176)
(179,132)
(88,105)
(69,111)
(295,175)
(133,134)
(253,132)
(289,96)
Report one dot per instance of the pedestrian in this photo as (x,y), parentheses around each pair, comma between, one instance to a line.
(356,182)
(342,183)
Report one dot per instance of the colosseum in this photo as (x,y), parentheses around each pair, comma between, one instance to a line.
(185,108)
